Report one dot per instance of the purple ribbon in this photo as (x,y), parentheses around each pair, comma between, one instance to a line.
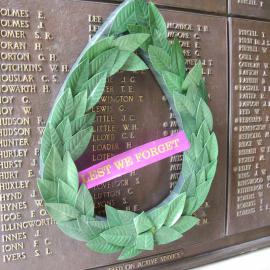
(134,159)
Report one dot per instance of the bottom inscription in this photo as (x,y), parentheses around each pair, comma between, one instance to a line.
(150,261)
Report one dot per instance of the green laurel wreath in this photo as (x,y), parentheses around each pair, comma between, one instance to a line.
(135,28)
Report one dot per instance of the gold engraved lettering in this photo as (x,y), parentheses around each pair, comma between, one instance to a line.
(17,34)
(10,12)
(14,23)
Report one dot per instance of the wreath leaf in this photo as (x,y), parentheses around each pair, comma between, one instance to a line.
(204,114)
(120,235)
(142,223)
(82,122)
(131,42)
(175,210)
(124,17)
(185,224)
(78,76)
(98,48)
(141,12)
(194,76)
(77,144)
(156,20)
(129,252)
(178,61)
(134,63)
(159,59)
(121,59)
(72,229)
(52,168)
(159,215)
(166,235)
(100,245)
(65,193)
(145,241)
(172,81)
(84,201)
(112,216)
(48,190)
(69,172)
(103,62)
(62,212)
(80,101)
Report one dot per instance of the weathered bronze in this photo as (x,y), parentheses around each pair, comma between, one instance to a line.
(39,42)
(217,6)
(256,9)
(249,146)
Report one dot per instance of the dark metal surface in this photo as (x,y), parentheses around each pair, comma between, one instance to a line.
(140,100)
(132,112)
(256,9)
(216,6)
(219,250)
(249,181)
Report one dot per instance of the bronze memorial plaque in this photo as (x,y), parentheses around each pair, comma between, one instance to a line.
(254,8)
(249,190)
(216,6)
(40,41)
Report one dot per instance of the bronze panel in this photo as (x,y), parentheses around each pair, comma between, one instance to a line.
(249,131)
(53,37)
(257,9)
(217,6)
